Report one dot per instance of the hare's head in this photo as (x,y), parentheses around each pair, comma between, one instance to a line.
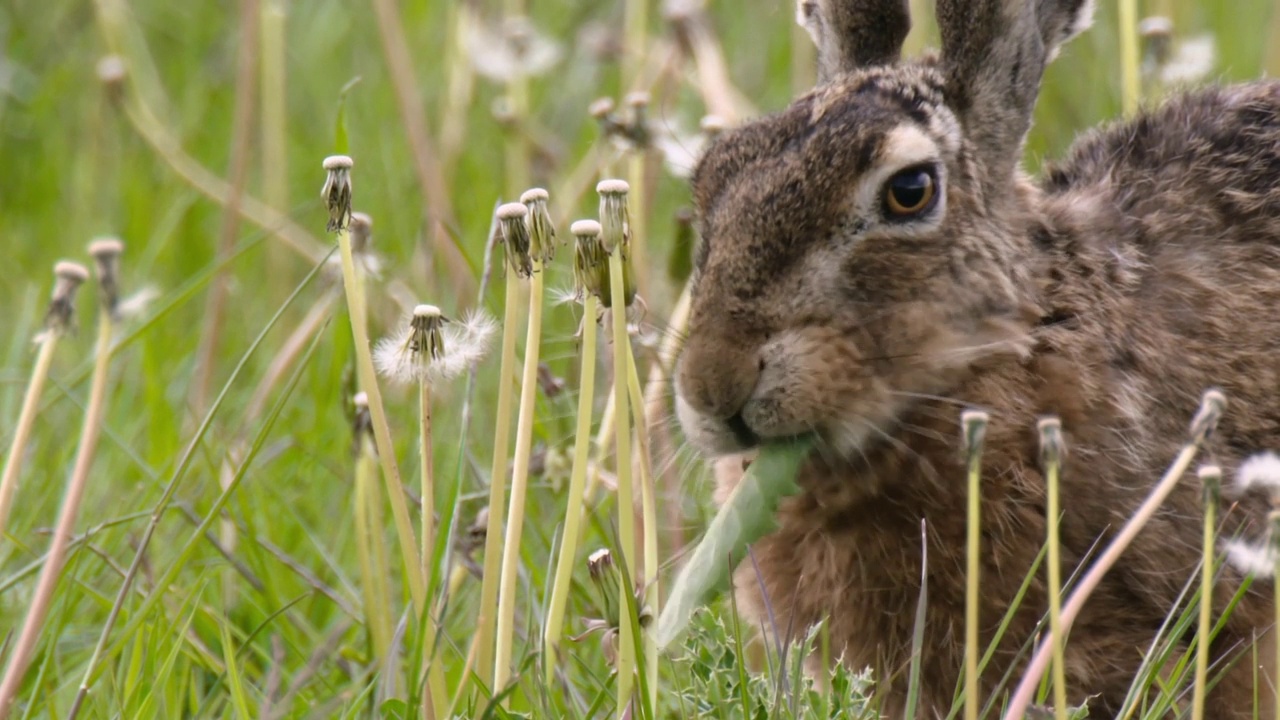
(869,244)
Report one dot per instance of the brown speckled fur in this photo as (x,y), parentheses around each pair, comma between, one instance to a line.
(1141,270)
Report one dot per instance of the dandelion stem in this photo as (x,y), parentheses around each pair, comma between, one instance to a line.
(1050,449)
(649,513)
(974,423)
(1211,407)
(577,485)
(626,495)
(373,570)
(484,638)
(437,694)
(52,571)
(381,430)
(1211,477)
(26,419)
(1129,56)
(519,485)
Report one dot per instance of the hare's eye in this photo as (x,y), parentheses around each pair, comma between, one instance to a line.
(910,192)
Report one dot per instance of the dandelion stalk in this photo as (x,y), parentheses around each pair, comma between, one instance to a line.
(1130,87)
(369,546)
(530,245)
(974,424)
(1051,446)
(1212,405)
(588,257)
(614,234)
(337,195)
(1211,480)
(58,321)
(106,254)
(649,513)
(484,636)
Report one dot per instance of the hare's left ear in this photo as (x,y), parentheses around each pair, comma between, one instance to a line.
(852,34)
(994,53)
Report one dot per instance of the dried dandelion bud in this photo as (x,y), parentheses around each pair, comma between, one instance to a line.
(431,348)
(361,233)
(712,126)
(68,277)
(542,231)
(106,257)
(1212,405)
(601,108)
(1211,481)
(1052,449)
(1157,38)
(336,192)
(638,118)
(973,425)
(590,261)
(112,73)
(604,575)
(361,423)
(515,237)
(615,222)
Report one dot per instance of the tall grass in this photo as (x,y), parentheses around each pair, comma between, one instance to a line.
(315,625)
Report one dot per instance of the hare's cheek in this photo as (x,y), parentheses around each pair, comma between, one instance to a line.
(710,436)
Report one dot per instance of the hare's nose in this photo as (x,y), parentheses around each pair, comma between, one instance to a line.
(717,377)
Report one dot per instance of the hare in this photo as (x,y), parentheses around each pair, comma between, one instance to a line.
(874,260)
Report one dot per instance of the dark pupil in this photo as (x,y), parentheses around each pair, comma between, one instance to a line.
(909,188)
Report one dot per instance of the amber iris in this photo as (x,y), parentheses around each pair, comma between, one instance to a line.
(910,192)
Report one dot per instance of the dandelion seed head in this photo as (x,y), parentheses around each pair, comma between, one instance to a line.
(1261,470)
(1257,559)
(614,219)
(1191,60)
(590,261)
(60,318)
(433,349)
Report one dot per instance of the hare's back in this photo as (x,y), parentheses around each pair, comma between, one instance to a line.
(1165,235)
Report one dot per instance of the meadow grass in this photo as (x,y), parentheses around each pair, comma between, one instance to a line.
(245,422)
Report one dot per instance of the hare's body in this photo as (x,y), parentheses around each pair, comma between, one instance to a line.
(1141,271)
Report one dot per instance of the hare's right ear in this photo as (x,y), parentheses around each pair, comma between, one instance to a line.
(852,34)
(994,53)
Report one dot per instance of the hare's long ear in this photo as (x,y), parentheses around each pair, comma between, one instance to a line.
(854,33)
(994,53)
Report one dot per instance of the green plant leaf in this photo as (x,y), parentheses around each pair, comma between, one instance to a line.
(745,517)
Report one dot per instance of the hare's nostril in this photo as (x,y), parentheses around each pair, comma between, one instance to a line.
(743,434)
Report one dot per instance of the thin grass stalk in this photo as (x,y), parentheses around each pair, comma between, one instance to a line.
(1051,458)
(484,637)
(26,420)
(649,515)
(626,493)
(574,506)
(272,94)
(460,84)
(157,513)
(1206,419)
(1130,81)
(368,380)
(656,409)
(519,485)
(49,576)
(431,180)
(215,309)
(1211,479)
(974,423)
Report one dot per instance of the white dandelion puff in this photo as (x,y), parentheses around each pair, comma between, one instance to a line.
(1251,558)
(1259,471)
(1192,60)
(433,349)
